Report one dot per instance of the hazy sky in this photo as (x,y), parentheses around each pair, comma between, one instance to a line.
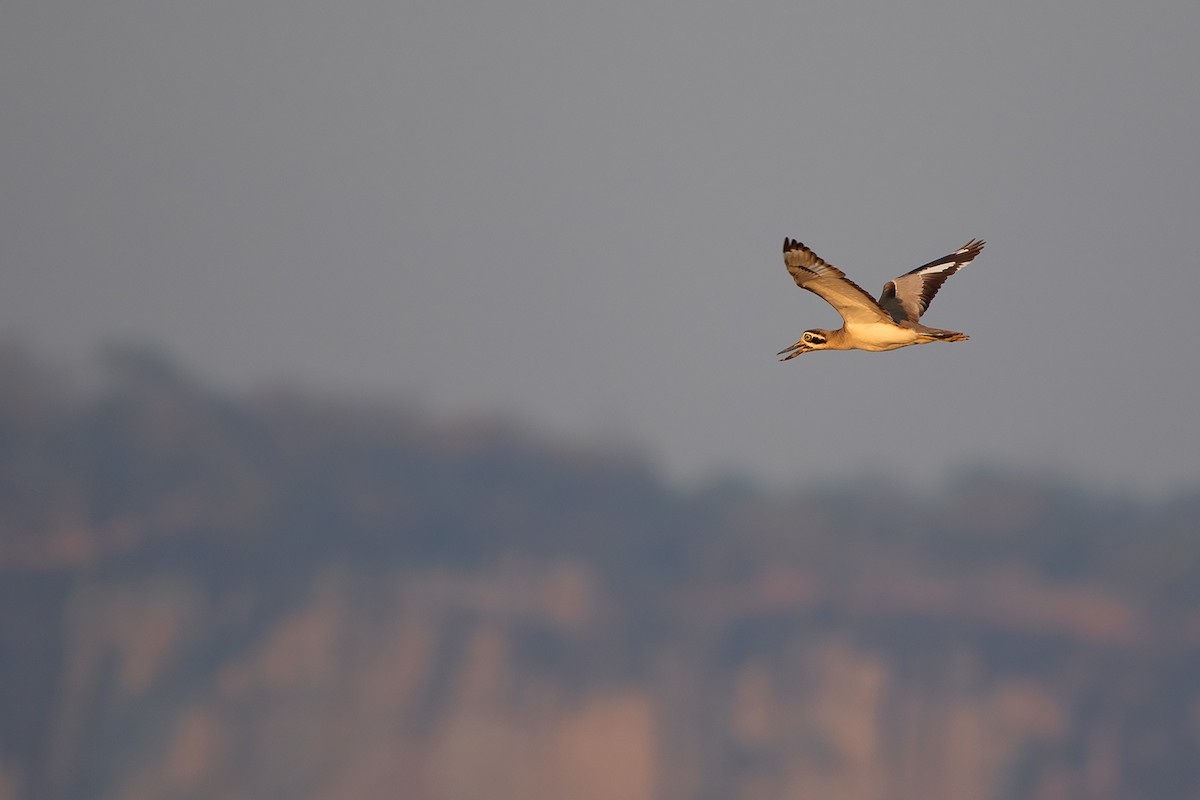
(573,212)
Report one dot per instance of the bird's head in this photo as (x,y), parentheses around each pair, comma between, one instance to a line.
(815,339)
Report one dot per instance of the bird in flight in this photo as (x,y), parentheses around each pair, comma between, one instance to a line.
(892,321)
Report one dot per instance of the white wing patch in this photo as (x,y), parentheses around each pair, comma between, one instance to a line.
(906,298)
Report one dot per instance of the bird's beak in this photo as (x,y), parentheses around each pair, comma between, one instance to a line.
(798,349)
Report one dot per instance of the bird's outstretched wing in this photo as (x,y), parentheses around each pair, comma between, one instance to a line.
(907,297)
(831,284)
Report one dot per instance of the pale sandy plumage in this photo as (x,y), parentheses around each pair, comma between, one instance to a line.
(889,323)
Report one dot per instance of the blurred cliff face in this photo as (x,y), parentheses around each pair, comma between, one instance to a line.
(276,596)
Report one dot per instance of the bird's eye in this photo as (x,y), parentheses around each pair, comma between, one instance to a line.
(808,337)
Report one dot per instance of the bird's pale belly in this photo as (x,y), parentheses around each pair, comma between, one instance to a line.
(878,338)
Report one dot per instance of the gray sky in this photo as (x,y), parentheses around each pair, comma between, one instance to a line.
(572,213)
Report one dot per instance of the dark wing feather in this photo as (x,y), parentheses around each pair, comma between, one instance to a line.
(831,284)
(907,297)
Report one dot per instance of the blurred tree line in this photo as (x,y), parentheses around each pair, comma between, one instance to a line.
(153,465)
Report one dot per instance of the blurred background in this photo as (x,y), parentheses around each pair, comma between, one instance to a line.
(388,401)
